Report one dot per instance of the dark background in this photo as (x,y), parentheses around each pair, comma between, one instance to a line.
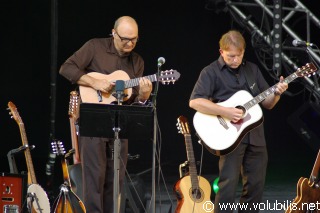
(183,32)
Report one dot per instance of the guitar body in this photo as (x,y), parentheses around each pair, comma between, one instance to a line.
(221,136)
(68,202)
(305,194)
(90,95)
(40,203)
(189,201)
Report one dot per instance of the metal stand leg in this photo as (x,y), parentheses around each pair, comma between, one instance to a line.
(116,191)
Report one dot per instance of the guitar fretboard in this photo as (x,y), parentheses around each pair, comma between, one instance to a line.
(192,162)
(259,98)
(27,154)
(135,82)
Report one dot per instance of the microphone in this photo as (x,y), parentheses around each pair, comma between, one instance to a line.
(161,61)
(298,43)
(119,90)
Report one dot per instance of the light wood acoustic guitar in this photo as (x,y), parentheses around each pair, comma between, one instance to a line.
(89,95)
(220,135)
(67,201)
(308,192)
(37,199)
(192,191)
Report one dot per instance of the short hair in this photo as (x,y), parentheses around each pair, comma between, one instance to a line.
(124,18)
(232,38)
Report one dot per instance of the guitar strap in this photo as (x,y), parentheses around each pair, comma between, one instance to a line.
(249,75)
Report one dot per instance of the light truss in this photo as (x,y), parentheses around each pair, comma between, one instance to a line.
(291,11)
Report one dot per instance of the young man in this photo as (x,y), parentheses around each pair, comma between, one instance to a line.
(218,82)
(105,55)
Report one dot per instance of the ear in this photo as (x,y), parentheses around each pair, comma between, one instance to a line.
(113,32)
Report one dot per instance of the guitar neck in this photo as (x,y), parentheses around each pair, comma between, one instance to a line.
(192,162)
(262,96)
(65,171)
(315,170)
(27,154)
(135,82)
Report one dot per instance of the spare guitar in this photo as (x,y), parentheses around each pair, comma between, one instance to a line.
(192,191)
(67,201)
(308,192)
(73,116)
(89,95)
(37,198)
(221,136)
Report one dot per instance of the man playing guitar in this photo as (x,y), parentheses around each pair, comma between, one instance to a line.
(218,82)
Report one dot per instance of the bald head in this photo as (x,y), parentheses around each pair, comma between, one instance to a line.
(125,34)
(125,20)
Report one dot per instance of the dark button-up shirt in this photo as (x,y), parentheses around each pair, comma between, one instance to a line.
(100,55)
(218,83)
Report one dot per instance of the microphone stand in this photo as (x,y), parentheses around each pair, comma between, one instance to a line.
(117,147)
(154,148)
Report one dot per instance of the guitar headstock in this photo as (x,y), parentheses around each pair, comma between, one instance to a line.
(14,112)
(58,148)
(169,76)
(74,104)
(306,70)
(183,126)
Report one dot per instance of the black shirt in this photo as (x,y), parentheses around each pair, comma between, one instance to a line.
(217,82)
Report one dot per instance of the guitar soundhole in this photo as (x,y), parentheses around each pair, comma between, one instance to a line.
(196,195)
(242,108)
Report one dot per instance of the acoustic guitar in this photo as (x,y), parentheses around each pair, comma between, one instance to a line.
(75,170)
(89,95)
(73,112)
(192,191)
(67,201)
(308,192)
(37,199)
(220,135)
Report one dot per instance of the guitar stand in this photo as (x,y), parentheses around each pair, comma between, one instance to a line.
(11,159)
(64,195)
(31,197)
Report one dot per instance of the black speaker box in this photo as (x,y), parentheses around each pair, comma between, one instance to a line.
(305,121)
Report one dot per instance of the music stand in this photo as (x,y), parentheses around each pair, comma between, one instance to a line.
(116,121)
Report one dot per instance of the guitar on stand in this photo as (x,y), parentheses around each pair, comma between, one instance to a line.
(192,191)
(308,192)
(67,201)
(73,112)
(37,199)
(75,170)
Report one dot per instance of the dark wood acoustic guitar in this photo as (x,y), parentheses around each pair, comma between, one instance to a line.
(308,192)
(192,191)
(67,201)
(74,104)
(37,199)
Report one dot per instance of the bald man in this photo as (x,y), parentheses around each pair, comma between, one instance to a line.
(106,55)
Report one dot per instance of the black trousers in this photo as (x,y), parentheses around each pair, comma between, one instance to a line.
(251,163)
(98,172)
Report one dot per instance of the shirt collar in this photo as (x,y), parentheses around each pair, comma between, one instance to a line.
(112,49)
(221,63)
